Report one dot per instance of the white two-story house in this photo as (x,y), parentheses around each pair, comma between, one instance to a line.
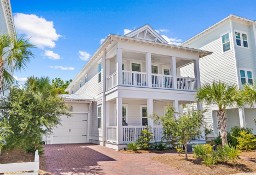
(232,42)
(6,27)
(127,80)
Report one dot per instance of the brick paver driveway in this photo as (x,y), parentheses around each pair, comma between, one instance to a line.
(94,159)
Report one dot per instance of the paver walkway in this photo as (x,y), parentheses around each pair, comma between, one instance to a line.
(94,159)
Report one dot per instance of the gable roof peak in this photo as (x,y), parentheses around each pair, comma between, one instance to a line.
(146,32)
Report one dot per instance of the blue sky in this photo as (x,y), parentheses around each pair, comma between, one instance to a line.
(62,28)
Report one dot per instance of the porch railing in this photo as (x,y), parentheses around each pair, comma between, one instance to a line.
(186,83)
(133,78)
(111,81)
(132,133)
(162,81)
(111,134)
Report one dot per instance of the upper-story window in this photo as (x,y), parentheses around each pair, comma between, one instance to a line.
(241,39)
(246,77)
(99,73)
(154,69)
(136,67)
(225,42)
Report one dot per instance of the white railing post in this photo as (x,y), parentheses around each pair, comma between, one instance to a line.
(174,72)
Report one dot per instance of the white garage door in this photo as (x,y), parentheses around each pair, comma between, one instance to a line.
(73,129)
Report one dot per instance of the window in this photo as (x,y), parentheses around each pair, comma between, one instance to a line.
(154,69)
(136,67)
(241,41)
(144,115)
(99,116)
(122,66)
(245,42)
(225,42)
(238,38)
(99,73)
(166,71)
(124,115)
(246,77)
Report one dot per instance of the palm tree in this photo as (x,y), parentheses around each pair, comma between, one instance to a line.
(222,95)
(15,53)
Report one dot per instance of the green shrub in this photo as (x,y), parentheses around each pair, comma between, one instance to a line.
(201,151)
(159,146)
(210,157)
(246,141)
(217,140)
(234,133)
(132,146)
(144,139)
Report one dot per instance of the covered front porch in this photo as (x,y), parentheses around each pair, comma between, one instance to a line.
(127,117)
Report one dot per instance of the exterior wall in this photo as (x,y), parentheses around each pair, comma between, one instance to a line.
(250,119)
(3,24)
(217,66)
(95,132)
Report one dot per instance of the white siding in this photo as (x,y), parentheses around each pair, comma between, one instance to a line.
(95,132)
(217,66)
(250,119)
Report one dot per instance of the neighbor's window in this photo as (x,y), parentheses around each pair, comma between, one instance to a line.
(241,39)
(238,38)
(245,42)
(246,77)
(99,73)
(99,116)
(225,42)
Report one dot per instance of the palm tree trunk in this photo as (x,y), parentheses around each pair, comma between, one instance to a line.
(222,126)
(1,75)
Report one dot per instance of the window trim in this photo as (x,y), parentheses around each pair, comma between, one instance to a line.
(230,48)
(141,117)
(99,106)
(136,63)
(241,38)
(246,76)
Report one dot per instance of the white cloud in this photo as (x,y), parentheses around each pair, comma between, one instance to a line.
(163,30)
(50,54)
(126,31)
(62,68)
(83,55)
(174,41)
(102,40)
(40,31)
(20,79)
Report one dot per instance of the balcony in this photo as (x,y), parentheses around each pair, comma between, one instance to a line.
(140,79)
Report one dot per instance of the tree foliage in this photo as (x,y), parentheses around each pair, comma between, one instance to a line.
(15,53)
(222,95)
(32,112)
(182,128)
(60,85)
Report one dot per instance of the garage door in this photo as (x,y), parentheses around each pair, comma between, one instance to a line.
(73,129)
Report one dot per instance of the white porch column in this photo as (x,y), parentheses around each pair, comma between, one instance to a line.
(174,73)
(176,108)
(148,69)
(119,103)
(197,73)
(241,117)
(119,60)
(107,73)
(150,112)
(104,130)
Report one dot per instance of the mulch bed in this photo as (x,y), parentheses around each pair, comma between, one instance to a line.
(15,156)
(245,164)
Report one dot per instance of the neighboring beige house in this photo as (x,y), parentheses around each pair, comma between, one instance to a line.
(6,27)
(233,43)
(128,79)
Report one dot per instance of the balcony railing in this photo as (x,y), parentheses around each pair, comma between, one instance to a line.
(162,81)
(111,81)
(139,79)
(133,78)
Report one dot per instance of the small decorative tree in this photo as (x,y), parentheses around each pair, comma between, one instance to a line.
(184,128)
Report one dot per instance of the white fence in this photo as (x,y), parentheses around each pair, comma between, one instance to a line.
(162,81)
(28,168)
(186,83)
(133,78)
